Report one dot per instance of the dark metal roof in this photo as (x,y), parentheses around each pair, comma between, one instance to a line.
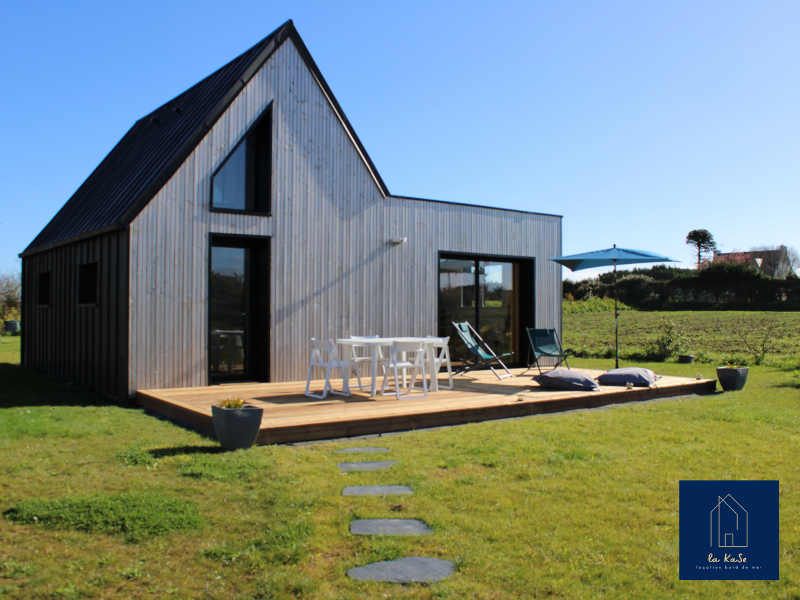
(156,146)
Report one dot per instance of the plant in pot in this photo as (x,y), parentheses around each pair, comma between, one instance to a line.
(11,322)
(732,377)
(235,424)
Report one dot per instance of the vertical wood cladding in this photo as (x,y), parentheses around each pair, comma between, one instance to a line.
(87,344)
(334,271)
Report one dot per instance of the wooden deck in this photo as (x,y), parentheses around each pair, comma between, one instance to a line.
(289,416)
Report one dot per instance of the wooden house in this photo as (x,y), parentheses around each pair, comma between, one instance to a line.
(244,217)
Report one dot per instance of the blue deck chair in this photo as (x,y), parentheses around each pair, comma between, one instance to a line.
(483,354)
(544,344)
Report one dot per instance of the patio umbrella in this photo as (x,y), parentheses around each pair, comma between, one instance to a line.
(612,256)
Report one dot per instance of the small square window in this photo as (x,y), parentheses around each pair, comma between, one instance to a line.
(43,290)
(87,284)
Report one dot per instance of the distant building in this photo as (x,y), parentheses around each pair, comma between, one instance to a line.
(774,263)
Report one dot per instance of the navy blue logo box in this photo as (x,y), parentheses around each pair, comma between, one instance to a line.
(729,530)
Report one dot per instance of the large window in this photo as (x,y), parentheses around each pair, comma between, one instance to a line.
(228,310)
(244,181)
(486,293)
(238,308)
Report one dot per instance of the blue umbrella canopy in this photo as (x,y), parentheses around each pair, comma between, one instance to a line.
(611,256)
(604,258)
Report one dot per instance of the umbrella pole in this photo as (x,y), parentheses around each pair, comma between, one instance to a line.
(616,318)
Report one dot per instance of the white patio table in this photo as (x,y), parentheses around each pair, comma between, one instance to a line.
(375,343)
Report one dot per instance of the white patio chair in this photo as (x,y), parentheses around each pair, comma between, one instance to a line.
(441,355)
(406,356)
(360,360)
(324,355)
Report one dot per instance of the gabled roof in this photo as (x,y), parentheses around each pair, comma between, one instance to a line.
(156,146)
(765,261)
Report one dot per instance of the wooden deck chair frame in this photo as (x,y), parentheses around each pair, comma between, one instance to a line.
(482,357)
(537,353)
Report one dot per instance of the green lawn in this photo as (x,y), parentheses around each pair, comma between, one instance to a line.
(572,505)
(9,349)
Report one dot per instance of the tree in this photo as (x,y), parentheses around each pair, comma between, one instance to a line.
(794,261)
(702,241)
(10,286)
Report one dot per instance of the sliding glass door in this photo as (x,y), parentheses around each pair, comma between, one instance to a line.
(486,293)
(498,306)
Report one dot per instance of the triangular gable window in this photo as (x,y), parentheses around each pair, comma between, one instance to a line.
(244,181)
(229,182)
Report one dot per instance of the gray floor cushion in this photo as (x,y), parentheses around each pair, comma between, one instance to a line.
(566,379)
(638,376)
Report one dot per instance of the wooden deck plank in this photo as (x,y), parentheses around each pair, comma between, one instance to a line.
(289,416)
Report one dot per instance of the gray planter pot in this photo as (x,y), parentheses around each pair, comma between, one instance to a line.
(732,379)
(236,427)
(686,359)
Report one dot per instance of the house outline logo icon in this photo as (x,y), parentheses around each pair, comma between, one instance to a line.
(730,520)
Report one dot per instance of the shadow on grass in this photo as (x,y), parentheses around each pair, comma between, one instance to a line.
(795,385)
(182,424)
(22,386)
(185,451)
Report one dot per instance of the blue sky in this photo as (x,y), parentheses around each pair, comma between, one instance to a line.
(636,121)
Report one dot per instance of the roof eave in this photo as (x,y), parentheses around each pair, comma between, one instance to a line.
(72,239)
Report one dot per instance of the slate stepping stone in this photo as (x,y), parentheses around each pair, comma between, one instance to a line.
(376,490)
(360,449)
(389,527)
(412,569)
(367,466)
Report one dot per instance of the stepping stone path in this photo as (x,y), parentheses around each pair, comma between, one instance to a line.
(412,569)
(389,527)
(360,450)
(367,466)
(376,490)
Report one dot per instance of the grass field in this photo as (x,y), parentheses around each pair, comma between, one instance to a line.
(704,330)
(572,505)
(9,349)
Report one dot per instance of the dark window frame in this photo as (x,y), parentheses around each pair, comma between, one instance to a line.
(527,291)
(258,301)
(43,299)
(258,168)
(88,290)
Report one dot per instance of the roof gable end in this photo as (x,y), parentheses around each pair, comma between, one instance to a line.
(155,147)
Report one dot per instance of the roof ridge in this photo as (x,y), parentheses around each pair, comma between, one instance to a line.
(222,68)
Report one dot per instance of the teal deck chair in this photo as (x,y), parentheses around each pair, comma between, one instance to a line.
(483,354)
(544,344)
